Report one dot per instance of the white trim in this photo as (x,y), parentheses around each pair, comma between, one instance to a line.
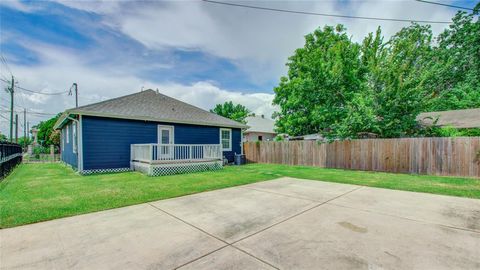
(241,141)
(80,145)
(221,143)
(172,134)
(67,126)
(74,138)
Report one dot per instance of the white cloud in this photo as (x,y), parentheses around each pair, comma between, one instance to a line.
(59,69)
(206,95)
(258,41)
(18,5)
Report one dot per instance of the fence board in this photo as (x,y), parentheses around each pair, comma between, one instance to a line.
(436,156)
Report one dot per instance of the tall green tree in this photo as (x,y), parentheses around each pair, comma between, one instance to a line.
(232,111)
(456,73)
(341,89)
(401,87)
(323,79)
(45,130)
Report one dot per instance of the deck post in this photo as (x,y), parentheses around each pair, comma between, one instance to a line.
(151,152)
(131,156)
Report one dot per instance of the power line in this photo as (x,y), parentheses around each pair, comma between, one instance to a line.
(4,61)
(442,4)
(37,92)
(29,112)
(324,14)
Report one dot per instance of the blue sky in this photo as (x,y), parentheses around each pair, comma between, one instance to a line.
(81,31)
(194,51)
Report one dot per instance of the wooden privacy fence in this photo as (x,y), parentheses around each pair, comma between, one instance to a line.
(436,156)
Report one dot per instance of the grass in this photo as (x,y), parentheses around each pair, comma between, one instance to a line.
(38,192)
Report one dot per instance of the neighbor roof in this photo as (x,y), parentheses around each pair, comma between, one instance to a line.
(150,105)
(469,118)
(260,124)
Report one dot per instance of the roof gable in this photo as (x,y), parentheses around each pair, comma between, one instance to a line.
(260,124)
(469,118)
(150,105)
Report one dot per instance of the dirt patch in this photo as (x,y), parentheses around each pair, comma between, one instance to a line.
(471,218)
(352,227)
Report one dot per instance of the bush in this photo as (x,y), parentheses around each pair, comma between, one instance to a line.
(41,150)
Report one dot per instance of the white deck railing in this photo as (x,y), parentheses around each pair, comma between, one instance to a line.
(152,153)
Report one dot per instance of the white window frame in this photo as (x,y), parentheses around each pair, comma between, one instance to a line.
(74,138)
(230,139)
(68,125)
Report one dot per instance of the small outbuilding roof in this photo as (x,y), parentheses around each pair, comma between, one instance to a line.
(260,124)
(150,105)
(468,118)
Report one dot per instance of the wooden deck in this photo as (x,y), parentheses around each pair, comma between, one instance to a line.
(164,159)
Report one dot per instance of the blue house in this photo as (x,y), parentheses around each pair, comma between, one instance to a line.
(149,132)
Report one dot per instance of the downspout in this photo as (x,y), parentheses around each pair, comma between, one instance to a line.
(79,143)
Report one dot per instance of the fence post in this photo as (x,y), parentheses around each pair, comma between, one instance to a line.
(52,153)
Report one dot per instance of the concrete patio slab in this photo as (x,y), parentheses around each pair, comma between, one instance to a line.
(303,189)
(135,237)
(233,213)
(281,224)
(227,258)
(333,237)
(447,210)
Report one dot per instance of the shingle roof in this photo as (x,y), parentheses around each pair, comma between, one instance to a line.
(152,106)
(260,124)
(469,118)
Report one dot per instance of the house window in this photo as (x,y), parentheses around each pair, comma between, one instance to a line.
(260,138)
(226,139)
(74,137)
(67,133)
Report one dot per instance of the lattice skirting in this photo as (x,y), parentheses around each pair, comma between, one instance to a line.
(168,169)
(113,170)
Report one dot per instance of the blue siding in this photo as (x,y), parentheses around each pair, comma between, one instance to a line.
(67,151)
(106,141)
(236,145)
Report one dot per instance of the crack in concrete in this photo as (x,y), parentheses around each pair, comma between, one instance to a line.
(211,235)
(250,235)
(296,215)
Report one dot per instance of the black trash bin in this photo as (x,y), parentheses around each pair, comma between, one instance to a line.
(239,159)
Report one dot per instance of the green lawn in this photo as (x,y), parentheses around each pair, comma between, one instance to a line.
(38,192)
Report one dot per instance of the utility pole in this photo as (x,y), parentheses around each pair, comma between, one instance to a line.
(24,128)
(11,89)
(28,130)
(16,128)
(75,86)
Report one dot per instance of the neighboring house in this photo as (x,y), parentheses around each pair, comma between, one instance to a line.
(146,131)
(469,118)
(308,137)
(260,129)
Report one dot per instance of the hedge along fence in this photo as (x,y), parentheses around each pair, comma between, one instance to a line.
(458,156)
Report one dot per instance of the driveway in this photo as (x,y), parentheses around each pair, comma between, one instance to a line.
(280,224)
